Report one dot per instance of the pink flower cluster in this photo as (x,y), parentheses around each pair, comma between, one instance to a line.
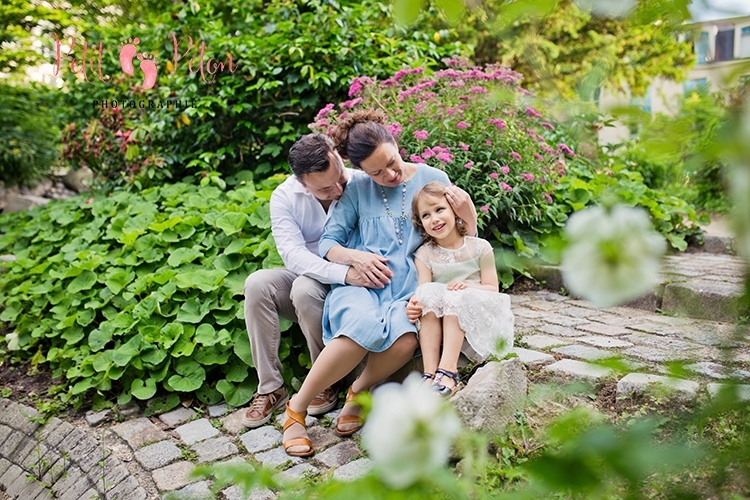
(421,135)
(462,124)
(327,110)
(395,129)
(505,187)
(358,84)
(565,149)
(527,177)
(350,103)
(415,90)
(516,156)
(533,112)
(499,123)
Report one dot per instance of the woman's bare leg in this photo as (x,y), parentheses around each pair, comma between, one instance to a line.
(430,340)
(379,366)
(335,361)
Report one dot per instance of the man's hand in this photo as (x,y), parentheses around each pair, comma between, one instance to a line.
(354,278)
(370,266)
(413,310)
(455,285)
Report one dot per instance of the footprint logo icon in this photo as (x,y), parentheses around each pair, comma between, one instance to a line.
(148,66)
(127,53)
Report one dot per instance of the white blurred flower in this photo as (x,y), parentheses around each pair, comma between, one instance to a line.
(613,255)
(739,186)
(607,8)
(409,432)
(12,340)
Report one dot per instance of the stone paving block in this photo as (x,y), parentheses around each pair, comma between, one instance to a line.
(24,449)
(23,487)
(584,352)
(13,442)
(233,422)
(654,327)
(654,355)
(523,312)
(602,329)
(235,493)
(322,437)
(605,342)
(20,417)
(543,341)
(533,358)
(196,491)
(518,299)
(261,439)
(45,494)
(572,309)
(74,480)
(4,466)
(541,305)
(197,430)
(560,331)
(579,369)
(157,455)
(176,417)
(740,391)
(276,457)
(298,472)
(90,494)
(86,453)
(5,431)
(646,339)
(124,489)
(129,409)
(353,470)
(138,432)
(640,383)
(340,454)
(95,418)
(11,474)
(54,432)
(111,474)
(717,371)
(215,449)
(219,410)
(173,477)
(565,320)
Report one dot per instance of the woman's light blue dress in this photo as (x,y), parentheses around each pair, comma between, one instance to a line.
(374,318)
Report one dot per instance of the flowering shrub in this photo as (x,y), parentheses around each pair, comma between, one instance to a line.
(479,126)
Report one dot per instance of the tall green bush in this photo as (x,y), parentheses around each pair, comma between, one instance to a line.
(290,57)
(139,294)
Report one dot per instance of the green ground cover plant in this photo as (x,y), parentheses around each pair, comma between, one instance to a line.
(140,294)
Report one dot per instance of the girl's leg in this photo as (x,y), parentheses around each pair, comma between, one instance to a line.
(430,339)
(379,366)
(335,361)
(453,340)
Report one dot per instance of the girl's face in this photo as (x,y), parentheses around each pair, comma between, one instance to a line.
(437,216)
(384,165)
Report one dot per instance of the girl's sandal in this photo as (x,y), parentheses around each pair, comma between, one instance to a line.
(349,419)
(427,376)
(294,417)
(443,390)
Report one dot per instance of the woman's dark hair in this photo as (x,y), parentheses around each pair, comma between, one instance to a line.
(436,190)
(360,133)
(311,153)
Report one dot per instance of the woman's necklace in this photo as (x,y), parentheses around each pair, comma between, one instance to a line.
(398,222)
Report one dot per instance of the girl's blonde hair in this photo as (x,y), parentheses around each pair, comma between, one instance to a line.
(436,190)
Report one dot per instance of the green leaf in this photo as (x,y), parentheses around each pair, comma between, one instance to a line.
(83,281)
(160,405)
(231,222)
(204,279)
(192,311)
(214,355)
(206,335)
(170,334)
(406,11)
(10,313)
(190,376)
(242,347)
(208,395)
(185,345)
(237,372)
(127,351)
(237,395)
(183,255)
(118,280)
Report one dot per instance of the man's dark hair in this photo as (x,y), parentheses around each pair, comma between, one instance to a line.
(311,153)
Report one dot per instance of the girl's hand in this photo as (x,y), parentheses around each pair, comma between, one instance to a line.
(413,310)
(456,285)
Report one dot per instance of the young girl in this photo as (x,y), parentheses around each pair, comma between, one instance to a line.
(457,298)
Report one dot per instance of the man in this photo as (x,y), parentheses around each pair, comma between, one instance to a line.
(300,207)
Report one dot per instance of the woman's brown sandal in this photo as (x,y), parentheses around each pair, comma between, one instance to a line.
(440,388)
(349,419)
(294,417)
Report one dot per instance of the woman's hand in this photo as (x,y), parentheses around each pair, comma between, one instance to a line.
(413,310)
(456,285)
(463,207)
(370,266)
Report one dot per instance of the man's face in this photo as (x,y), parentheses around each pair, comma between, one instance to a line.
(328,185)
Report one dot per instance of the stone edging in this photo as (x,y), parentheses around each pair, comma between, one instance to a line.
(57,460)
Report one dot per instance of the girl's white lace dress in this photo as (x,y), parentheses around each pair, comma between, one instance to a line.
(484,316)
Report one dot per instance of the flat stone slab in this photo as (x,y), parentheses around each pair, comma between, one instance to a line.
(579,369)
(157,455)
(584,352)
(219,410)
(276,457)
(235,493)
(138,432)
(543,341)
(353,470)
(261,439)
(322,437)
(533,358)
(560,331)
(197,430)
(714,300)
(233,422)
(173,477)
(717,371)
(176,417)
(196,491)
(565,320)
(298,472)
(640,383)
(661,342)
(214,449)
(602,329)
(741,392)
(654,355)
(605,342)
(340,454)
(98,417)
